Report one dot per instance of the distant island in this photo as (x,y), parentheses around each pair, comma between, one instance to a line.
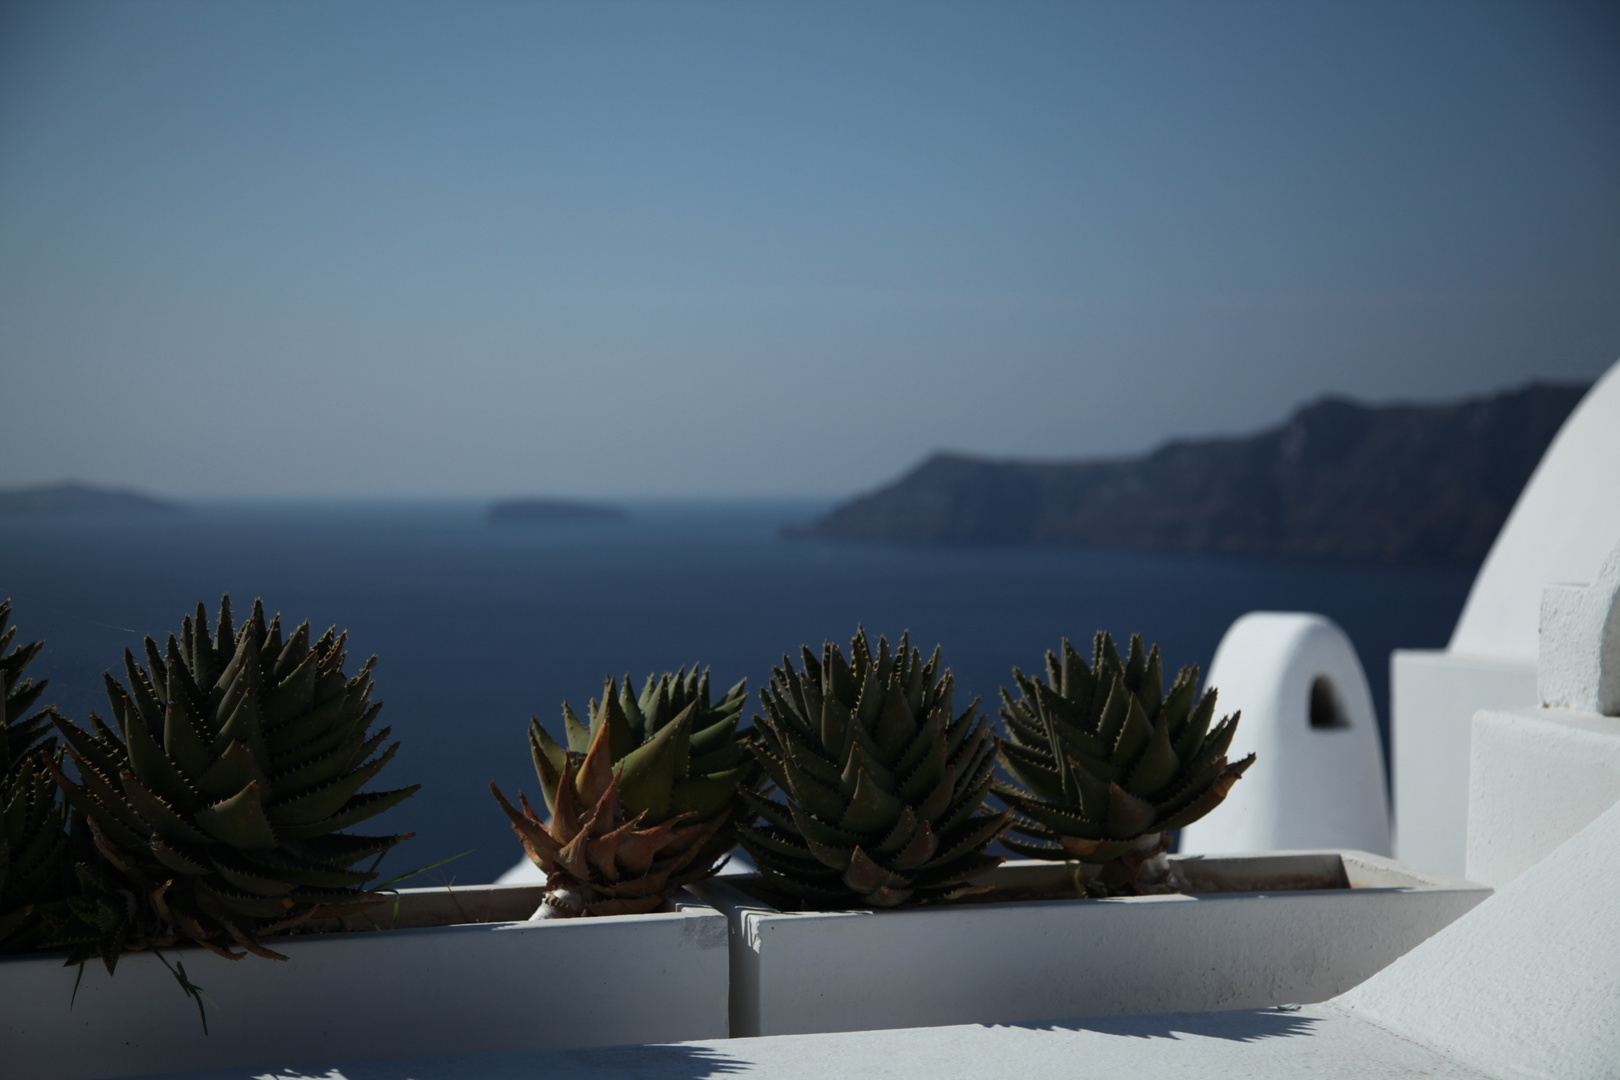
(535,511)
(1338,480)
(75,499)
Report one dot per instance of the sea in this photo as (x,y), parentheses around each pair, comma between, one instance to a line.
(477,626)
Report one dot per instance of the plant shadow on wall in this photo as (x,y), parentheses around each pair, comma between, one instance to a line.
(644,1062)
(1242,1025)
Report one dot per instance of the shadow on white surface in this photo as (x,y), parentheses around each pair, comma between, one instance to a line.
(1243,1025)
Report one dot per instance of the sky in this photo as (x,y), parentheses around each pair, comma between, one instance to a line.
(736,249)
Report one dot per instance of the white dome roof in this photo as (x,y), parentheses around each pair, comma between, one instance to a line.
(1564,525)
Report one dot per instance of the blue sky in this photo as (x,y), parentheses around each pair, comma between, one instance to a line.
(398,249)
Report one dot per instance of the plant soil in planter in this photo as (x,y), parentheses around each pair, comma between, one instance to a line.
(1250,931)
(452,970)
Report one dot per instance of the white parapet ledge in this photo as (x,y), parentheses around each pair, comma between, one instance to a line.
(1256,930)
(462,972)
(1527,984)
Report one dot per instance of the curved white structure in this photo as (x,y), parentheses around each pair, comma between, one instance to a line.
(1318,776)
(1565,522)
(1561,529)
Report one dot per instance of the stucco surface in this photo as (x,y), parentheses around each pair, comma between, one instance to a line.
(1433,698)
(1579,663)
(1562,529)
(791,972)
(1316,1041)
(1563,526)
(1539,776)
(1309,787)
(433,989)
(1526,984)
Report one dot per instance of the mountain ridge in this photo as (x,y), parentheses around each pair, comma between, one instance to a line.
(1338,479)
(74,498)
(538,510)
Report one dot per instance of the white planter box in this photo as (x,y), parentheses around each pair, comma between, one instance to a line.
(487,983)
(1269,929)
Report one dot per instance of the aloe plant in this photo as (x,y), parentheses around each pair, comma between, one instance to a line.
(880,783)
(642,801)
(219,795)
(1106,763)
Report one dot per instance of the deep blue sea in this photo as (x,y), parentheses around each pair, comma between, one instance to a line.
(477,625)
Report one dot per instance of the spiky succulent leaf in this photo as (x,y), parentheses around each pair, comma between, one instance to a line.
(880,782)
(20,735)
(34,871)
(220,791)
(643,800)
(112,907)
(1103,760)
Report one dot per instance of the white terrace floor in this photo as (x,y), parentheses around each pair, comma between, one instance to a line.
(1317,1042)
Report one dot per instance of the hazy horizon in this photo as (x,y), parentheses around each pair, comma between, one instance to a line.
(723,250)
(632,499)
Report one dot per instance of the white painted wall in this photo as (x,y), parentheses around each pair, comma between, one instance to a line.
(1309,787)
(1563,526)
(1538,777)
(431,990)
(1432,701)
(1565,522)
(1528,983)
(1249,944)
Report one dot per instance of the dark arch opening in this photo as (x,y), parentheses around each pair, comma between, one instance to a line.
(1327,711)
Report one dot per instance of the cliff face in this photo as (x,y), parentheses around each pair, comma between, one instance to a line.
(1338,480)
